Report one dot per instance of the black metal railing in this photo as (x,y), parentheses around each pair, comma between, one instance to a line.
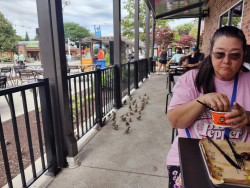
(39,136)
(125,78)
(91,96)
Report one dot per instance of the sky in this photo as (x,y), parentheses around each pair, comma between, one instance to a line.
(23,15)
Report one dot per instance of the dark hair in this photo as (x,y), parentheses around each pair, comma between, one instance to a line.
(182,58)
(204,78)
(179,50)
(100,47)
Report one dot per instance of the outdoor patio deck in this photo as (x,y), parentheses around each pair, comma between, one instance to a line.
(110,158)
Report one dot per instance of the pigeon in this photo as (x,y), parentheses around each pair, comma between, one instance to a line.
(76,135)
(130,120)
(148,97)
(139,117)
(95,120)
(129,103)
(139,112)
(7,142)
(113,123)
(113,118)
(139,97)
(131,113)
(97,127)
(135,110)
(115,127)
(127,131)
(127,123)
(135,105)
(146,102)
(124,119)
(129,106)
(114,113)
(124,102)
(121,116)
(145,94)
(22,150)
(104,121)
(142,100)
(109,114)
(126,114)
(129,96)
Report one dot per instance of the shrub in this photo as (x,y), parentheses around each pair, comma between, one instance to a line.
(107,60)
(78,57)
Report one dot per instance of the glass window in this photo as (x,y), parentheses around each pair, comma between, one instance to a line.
(224,20)
(236,15)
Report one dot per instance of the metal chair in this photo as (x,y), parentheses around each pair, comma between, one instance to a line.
(16,71)
(3,81)
(6,71)
(26,75)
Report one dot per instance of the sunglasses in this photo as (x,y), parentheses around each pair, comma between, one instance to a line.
(222,55)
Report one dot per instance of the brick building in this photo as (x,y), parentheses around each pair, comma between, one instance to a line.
(226,12)
(31,49)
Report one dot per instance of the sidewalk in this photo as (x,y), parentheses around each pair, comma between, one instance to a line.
(112,159)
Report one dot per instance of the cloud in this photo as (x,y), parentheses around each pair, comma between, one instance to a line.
(23,14)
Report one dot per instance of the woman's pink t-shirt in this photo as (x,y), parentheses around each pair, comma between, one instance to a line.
(185,91)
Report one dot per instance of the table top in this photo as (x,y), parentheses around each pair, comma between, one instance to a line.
(193,170)
(86,65)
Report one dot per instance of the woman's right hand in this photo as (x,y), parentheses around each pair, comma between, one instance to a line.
(218,101)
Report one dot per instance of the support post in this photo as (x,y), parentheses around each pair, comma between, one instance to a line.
(117,49)
(198,33)
(136,74)
(152,44)
(98,100)
(136,40)
(52,47)
(80,48)
(147,36)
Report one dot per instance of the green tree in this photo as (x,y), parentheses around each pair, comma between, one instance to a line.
(177,36)
(7,35)
(184,29)
(19,38)
(194,31)
(27,37)
(75,32)
(36,38)
(127,23)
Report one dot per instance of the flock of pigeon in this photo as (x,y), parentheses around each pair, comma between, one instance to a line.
(133,108)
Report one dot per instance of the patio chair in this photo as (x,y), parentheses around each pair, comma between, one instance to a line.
(3,81)
(68,70)
(16,71)
(6,71)
(26,75)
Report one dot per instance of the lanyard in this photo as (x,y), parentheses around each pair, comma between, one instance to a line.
(233,99)
(231,104)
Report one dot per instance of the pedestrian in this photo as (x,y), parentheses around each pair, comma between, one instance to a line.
(163,60)
(100,54)
(15,59)
(21,57)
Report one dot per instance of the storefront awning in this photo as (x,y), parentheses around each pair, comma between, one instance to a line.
(174,9)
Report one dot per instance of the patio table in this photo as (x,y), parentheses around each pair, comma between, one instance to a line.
(193,170)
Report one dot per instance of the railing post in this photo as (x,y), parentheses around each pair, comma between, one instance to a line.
(98,97)
(147,67)
(117,87)
(136,74)
(48,127)
(129,78)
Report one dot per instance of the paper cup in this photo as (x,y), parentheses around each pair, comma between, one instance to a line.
(219,119)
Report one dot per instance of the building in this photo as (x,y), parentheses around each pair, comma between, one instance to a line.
(224,13)
(31,49)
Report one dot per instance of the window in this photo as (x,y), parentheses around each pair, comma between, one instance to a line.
(234,14)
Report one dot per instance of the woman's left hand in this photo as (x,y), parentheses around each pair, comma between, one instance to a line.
(239,116)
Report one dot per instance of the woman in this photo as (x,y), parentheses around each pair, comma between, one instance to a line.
(163,60)
(183,61)
(221,82)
